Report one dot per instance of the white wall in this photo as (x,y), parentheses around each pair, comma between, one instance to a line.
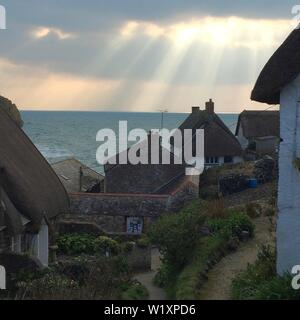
(237,159)
(241,138)
(43,250)
(288,227)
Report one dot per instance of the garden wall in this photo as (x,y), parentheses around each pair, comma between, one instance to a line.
(110,211)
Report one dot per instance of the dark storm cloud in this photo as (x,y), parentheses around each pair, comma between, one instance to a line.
(97,21)
(92,13)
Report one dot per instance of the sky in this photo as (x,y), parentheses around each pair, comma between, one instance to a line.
(138,55)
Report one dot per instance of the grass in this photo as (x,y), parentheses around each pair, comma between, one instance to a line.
(208,252)
(260,281)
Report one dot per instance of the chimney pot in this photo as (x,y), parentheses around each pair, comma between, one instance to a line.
(195,109)
(210,106)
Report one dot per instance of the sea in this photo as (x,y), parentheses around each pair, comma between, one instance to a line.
(62,135)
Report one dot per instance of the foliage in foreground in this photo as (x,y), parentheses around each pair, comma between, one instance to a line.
(261,282)
(187,253)
(177,234)
(134,291)
(100,279)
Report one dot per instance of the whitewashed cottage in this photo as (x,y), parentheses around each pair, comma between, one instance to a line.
(279,83)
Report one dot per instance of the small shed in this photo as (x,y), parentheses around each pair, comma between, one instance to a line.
(260,128)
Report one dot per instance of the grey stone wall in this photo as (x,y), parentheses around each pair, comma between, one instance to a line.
(109,212)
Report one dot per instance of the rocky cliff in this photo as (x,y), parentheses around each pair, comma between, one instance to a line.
(12,110)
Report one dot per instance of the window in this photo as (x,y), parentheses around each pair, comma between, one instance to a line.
(228,159)
(134,225)
(16,244)
(29,243)
(212,160)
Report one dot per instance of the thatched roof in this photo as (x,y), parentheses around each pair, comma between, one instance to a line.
(257,124)
(12,110)
(11,216)
(218,139)
(282,68)
(68,172)
(27,179)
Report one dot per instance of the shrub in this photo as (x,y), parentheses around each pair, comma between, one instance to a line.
(216,209)
(260,281)
(50,287)
(134,291)
(188,257)
(234,225)
(73,244)
(144,242)
(107,246)
(106,277)
(128,247)
(208,252)
(176,234)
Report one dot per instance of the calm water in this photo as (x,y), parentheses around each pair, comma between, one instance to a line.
(61,135)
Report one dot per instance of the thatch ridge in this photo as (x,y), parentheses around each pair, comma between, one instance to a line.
(282,68)
(257,124)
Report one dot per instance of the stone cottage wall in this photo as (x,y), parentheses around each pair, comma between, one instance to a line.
(109,212)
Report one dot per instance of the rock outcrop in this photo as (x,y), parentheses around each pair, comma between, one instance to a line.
(12,110)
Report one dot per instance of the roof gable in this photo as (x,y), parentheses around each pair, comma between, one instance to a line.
(218,139)
(68,172)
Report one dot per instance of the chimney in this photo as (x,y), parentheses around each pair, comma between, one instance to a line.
(195,109)
(210,106)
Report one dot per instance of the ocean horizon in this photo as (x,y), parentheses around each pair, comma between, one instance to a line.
(61,135)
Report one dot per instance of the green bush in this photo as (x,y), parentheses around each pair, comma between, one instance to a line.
(234,225)
(50,287)
(134,291)
(176,235)
(260,281)
(73,244)
(186,254)
(209,251)
(144,242)
(128,247)
(106,245)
